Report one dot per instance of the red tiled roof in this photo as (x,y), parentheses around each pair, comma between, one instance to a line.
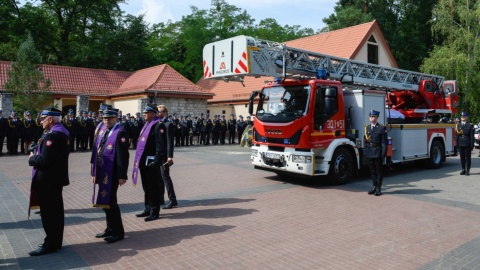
(163,79)
(75,80)
(84,81)
(99,82)
(232,91)
(345,43)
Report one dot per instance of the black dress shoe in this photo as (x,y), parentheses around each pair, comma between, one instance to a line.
(467,172)
(113,239)
(152,217)
(41,245)
(42,251)
(462,172)
(145,213)
(170,204)
(104,234)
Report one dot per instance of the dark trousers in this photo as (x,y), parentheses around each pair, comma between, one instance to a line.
(376,170)
(215,136)
(90,141)
(114,217)
(12,144)
(240,133)
(231,136)
(465,157)
(206,138)
(134,141)
(177,139)
(78,140)
(2,138)
(52,214)
(222,137)
(167,182)
(71,145)
(152,186)
(202,137)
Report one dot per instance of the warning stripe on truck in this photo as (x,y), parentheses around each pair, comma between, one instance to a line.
(206,70)
(242,64)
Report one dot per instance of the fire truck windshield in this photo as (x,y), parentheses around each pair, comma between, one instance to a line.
(283,103)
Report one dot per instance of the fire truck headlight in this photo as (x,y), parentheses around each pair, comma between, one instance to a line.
(255,153)
(302,159)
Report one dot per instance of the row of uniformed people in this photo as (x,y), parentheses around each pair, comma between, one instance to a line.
(206,131)
(82,128)
(16,130)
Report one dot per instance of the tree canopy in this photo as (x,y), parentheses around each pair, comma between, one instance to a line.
(434,36)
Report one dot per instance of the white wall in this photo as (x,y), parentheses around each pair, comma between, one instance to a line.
(127,105)
(383,59)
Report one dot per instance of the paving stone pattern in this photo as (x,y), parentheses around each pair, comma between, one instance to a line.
(231,216)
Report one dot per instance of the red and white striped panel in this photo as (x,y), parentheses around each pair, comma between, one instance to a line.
(206,70)
(242,64)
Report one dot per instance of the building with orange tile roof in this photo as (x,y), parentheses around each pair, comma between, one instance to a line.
(86,88)
(363,42)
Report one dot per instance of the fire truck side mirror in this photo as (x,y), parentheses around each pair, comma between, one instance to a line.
(250,102)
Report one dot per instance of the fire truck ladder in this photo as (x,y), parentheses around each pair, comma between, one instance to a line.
(291,62)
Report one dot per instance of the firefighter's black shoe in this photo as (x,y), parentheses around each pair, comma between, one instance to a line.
(372,191)
(378,191)
(462,172)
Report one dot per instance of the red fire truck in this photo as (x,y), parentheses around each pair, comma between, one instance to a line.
(310,117)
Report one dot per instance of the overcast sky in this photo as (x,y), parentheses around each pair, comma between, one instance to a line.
(306,13)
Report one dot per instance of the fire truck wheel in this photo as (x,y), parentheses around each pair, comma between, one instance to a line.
(436,155)
(341,166)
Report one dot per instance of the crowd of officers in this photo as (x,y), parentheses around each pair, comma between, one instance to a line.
(196,130)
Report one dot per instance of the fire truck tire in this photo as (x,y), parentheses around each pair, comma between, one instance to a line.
(341,166)
(436,155)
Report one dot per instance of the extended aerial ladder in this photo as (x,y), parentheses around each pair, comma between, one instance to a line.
(273,59)
(234,58)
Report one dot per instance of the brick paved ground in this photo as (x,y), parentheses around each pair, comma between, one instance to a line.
(234,217)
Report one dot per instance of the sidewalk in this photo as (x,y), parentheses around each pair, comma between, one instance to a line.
(231,216)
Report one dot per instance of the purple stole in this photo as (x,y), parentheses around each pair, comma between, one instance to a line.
(99,130)
(104,177)
(34,200)
(142,141)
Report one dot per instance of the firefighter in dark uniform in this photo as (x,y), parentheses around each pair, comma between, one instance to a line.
(83,123)
(376,143)
(91,129)
(110,163)
(3,125)
(232,125)
(206,129)
(241,125)
(465,143)
(175,121)
(13,133)
(39,128)
(138,124)
(28,131)
(70,124)
(184,141)
(146,166)
(125,124)
(249,122)
(223,129)
(215,129)
(190,130)
(200,130)
(49,176)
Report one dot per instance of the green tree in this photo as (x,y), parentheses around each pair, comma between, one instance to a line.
(26,81)
(404,23)
(457,25)
(348,13)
